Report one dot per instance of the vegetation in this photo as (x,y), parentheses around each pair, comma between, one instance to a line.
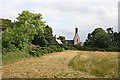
(102,40)
(53,65)
(25,28)
(27,36)
(6,23)
(67,64)
(99,40)
(62,38)
(34,51)
(14,56)
(104,65)
(29,28)
(38,51)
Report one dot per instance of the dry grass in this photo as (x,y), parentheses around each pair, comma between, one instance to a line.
(50,66)
(0,72)
(99,64)
(53,65)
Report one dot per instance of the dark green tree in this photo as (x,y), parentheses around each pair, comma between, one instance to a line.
(87,42)
(62,38)
(117,39)
(46,38)
(111,33)
(6,23)
(48,33)
(98,38)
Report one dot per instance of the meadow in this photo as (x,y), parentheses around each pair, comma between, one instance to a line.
(99,64)
(66,64)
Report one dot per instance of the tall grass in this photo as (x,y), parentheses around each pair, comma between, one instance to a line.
(14,56)
(34,51)
(99,64)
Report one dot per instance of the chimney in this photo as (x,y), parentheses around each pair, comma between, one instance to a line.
(76,30)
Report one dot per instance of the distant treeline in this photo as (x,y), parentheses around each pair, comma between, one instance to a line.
(103,40)
(98,40)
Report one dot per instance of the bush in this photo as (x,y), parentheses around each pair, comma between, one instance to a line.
(69,47)
(89,48)
(37,51)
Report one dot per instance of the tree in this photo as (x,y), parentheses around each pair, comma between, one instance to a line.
(8,39)
(111,33)
(32,23)
(98,38)
(6,23)
(27,26)
(62,38)
(46,38)
(117,39)
(48,33)
(87,42)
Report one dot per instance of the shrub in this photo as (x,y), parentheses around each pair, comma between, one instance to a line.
(69,47)
(37,51)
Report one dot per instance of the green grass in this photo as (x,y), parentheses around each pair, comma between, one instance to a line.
(14,56)
(99,64)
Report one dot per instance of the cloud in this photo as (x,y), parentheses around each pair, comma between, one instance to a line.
(64,15)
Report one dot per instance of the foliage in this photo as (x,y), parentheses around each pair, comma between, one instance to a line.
(8,39)
(25,28)
(48,33)
(45,39)
(117,40)
(69,47)
(34,51)
(99,39)
(28,29)
(14,56)
(6,23)
(111,33)
(62,38)
(37,51)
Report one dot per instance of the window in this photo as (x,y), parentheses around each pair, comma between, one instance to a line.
(77,40)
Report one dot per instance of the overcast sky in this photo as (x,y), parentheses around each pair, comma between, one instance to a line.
(64,15)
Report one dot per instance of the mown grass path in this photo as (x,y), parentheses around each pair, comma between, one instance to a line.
(53,65)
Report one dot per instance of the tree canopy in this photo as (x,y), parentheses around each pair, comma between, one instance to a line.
(29,27)
(98,38)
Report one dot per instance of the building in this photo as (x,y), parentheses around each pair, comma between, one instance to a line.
(59,41)
(76,39)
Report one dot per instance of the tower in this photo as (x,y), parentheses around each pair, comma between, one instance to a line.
(76,39)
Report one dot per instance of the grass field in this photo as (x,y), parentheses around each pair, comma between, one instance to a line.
(99,64)
(14,56)
(67,64)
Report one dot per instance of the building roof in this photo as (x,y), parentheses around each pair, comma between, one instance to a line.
(59,41)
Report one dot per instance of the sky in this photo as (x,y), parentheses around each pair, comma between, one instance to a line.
(65,15)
